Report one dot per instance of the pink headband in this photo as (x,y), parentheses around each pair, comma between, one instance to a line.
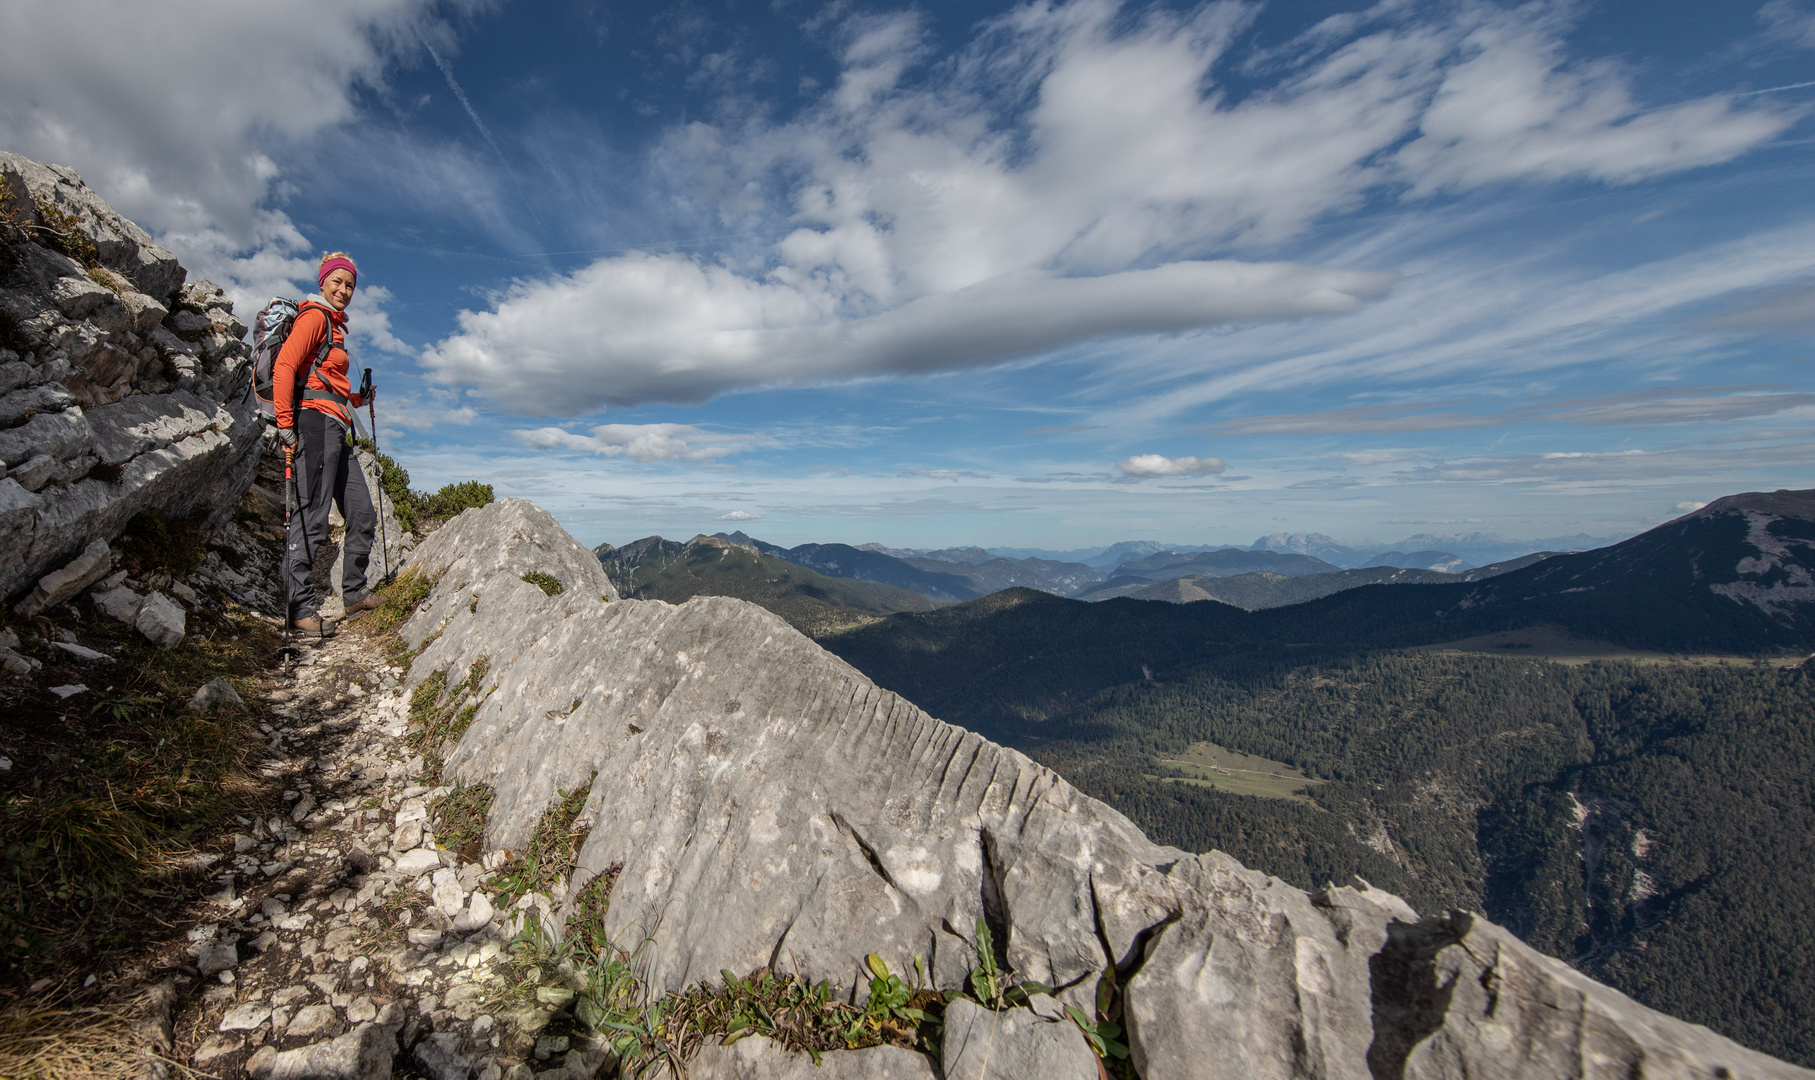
(334,264)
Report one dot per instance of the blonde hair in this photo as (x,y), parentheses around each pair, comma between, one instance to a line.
(337,255)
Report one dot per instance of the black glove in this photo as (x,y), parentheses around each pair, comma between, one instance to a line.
(287,436)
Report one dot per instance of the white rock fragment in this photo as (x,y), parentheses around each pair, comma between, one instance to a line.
(245,1017)
(118,603)
(478,913)
(311,1020)
(407,836)
(82,652)
(161,620)
(449,896)
(216,693)
(414,864)
(365,1053)
(214,956)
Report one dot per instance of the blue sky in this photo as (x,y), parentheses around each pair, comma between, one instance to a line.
(1045,275)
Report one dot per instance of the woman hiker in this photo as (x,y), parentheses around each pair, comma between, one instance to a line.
(314,418)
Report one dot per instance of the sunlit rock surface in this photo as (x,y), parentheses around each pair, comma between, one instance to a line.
(764,803)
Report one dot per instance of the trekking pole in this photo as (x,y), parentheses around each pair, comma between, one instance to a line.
(384,543)
(283,565)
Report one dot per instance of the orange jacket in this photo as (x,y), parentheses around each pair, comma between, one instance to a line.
(314,320)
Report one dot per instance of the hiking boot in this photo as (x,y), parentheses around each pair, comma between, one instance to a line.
(313,624)
(364,603)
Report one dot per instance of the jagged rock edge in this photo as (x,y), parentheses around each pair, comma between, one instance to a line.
(480,603)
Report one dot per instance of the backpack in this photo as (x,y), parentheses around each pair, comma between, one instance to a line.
(270,329)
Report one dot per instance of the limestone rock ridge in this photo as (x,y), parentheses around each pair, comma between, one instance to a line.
(763,803)
(122,389)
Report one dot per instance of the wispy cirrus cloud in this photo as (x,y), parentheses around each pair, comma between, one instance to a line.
(954,475)
(1787,310)
(645,442)
(1637,409)
(1078,172)
(1790,22)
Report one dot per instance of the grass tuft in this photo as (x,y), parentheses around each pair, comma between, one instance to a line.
(103,799)
(440,714)
(548,583)
(398,600)
(108,280)
(553,848)
(459,818)
(62,231)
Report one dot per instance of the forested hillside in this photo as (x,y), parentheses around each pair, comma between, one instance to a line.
(814,604)
(1649,823)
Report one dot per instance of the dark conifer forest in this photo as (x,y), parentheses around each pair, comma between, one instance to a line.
(1650,823)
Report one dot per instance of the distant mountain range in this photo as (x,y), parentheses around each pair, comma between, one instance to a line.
(1279,570)
(1268,569)
(1642,821)
(1472,549)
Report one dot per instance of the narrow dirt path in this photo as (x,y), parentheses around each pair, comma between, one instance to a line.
(342,936)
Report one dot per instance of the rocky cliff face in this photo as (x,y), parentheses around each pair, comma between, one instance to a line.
(122,389)
(762,803)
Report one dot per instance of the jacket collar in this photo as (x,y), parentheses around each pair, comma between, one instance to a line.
(339,318)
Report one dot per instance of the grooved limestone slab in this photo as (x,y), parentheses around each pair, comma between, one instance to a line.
(983,1045)
(768,805)
(756,1058)
(1504,1012)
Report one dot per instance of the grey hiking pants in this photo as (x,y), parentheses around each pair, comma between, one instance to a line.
(326,473)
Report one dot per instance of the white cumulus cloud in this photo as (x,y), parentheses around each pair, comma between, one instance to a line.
(740,515)
(173,111)
(1144,465)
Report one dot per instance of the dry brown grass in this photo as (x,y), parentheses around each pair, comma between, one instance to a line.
(57,1041)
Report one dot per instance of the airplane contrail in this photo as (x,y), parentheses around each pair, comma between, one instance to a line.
(1730,96)
(1772,89)
(447,72)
